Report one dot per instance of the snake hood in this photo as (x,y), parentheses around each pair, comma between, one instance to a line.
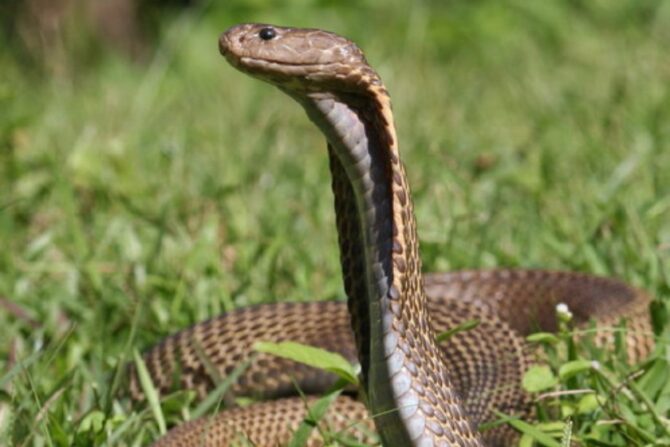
(295,59)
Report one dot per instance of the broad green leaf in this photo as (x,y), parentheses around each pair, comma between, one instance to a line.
(588,403)
(543,337)
(530,430)
(94,421)
(538,378)
(309,355)
(526,441)
(574,367)
(567,409)
(555,427)
(655,378)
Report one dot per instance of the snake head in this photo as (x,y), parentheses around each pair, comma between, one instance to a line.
(297,59)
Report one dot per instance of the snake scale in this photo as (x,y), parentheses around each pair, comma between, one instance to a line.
(420,394)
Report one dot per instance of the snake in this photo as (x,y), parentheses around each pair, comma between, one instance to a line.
(414,391)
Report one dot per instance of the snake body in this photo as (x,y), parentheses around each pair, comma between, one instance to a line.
(419,393)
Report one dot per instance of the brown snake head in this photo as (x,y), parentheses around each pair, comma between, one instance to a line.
(296,59)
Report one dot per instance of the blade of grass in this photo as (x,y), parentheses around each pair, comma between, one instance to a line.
(150,392)
(217,394)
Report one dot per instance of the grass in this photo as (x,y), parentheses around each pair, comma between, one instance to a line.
(136,200)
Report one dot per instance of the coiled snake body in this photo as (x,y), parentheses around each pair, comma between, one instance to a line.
(419,394)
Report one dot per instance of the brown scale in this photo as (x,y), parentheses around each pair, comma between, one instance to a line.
(484,365)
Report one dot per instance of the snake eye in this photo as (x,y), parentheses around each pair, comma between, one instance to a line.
(267,33)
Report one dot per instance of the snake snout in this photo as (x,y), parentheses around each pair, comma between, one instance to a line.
(224,43)
(231,37)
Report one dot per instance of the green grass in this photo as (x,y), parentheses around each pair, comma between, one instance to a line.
(136,200)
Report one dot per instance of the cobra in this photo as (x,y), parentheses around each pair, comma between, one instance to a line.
(417,393)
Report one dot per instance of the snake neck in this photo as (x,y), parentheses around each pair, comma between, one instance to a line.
(403,372)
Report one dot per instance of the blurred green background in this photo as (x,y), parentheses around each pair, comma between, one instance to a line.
(146,185)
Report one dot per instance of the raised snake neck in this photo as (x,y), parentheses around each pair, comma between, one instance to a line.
(404,374)
(407,381)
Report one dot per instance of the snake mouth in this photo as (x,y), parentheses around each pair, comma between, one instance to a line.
(294,77)
(248,63)
(272,65)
